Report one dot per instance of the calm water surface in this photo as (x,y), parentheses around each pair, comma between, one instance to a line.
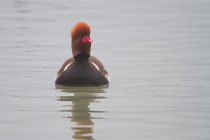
(157,53)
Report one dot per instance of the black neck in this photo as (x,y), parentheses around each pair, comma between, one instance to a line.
(82,57)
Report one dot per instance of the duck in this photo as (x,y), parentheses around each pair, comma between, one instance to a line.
(82,69)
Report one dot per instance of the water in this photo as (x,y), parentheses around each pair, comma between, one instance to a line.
(157,54)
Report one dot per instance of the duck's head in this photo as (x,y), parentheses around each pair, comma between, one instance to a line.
(81,42)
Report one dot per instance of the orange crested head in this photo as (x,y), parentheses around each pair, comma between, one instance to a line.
(80,42)
(80,29)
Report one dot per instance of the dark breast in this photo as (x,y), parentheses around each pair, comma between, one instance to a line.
(81,74)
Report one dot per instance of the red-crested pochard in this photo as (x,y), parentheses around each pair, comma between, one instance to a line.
(82,69)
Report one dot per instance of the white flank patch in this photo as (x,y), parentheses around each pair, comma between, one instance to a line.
(95,66)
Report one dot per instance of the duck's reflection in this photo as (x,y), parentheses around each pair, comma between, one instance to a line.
(81,113)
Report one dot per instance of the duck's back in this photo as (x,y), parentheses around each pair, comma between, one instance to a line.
(81,73)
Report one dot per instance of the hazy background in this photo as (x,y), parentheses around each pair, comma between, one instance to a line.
(156,51)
